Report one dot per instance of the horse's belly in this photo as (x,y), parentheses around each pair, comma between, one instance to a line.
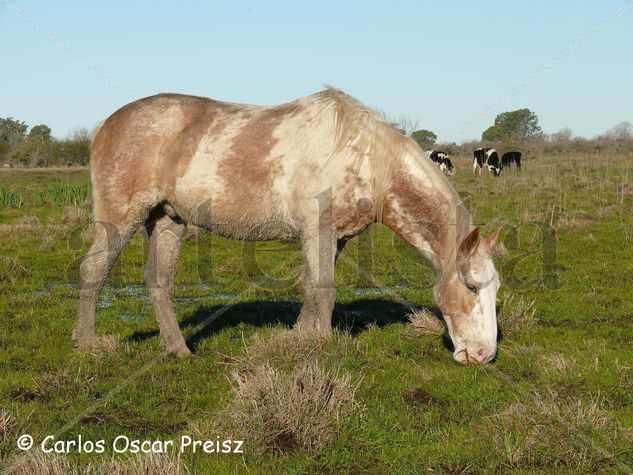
(230,217)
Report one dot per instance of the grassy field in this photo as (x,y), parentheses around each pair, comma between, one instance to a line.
(383,396)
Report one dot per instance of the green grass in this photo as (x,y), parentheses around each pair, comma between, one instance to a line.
(558,398)
(8,198)
(59,193)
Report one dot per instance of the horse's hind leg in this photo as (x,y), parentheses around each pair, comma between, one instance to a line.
(94,270)
(165,237)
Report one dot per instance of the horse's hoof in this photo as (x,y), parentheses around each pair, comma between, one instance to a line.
(180,352)
(83,344)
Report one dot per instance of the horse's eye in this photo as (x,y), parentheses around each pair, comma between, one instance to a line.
(472,288)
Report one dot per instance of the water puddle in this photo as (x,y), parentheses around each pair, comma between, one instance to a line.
(396,289)
(138,292)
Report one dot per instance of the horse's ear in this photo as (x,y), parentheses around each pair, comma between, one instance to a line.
(470,244)
(492,239)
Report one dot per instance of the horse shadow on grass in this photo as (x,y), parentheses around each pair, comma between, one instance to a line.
(352,318)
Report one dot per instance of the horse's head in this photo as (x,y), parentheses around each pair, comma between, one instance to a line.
(467,297)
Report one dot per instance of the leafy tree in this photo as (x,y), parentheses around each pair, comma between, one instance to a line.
(12,135)
(76,148)
(521,124)
(493,133)
(40,133)
(424,138)
(11,129)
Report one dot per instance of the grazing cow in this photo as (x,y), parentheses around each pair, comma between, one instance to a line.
(479,159)
(493,162)
(442,160)
(511,157)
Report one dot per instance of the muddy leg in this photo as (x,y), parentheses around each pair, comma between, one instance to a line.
(165,237)
(94,270)
(319,287)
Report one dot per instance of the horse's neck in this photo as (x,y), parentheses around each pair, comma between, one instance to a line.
(422,208)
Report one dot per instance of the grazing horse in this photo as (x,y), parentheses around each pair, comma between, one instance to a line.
(508,158)
(320,169)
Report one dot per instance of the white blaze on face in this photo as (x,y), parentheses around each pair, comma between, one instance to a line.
(488,281)
(474,336)
(471,315)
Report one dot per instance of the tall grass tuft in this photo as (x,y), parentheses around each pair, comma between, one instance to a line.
(424,322)
(37,462)
(64,194)
(284,412)
(8,198)
(517,315)
(8,426)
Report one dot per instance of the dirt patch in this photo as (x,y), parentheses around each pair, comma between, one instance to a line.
(29,394)
(420,397)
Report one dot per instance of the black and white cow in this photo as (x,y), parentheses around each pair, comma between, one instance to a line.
(442,160)
(493,162)
(508,158)
(479,159)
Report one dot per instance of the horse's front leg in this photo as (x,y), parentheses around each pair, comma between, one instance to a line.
(318,281)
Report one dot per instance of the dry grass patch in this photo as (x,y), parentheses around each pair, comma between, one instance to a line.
(10,269)
(21,225)
(553,434)
(571,225)
(424,322)
(75,215)
(556,363)
(141,464)
(283,412)
(8,426)
(104,346)
(517,315)
(27,222)
(284,349)
(287,396)
(500,253)
(36,462)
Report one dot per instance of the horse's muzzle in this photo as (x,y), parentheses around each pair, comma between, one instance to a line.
(475,355)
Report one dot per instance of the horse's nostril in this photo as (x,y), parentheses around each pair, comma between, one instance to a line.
(478,356)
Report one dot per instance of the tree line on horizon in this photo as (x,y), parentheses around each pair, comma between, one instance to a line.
(24,146)
(520,129)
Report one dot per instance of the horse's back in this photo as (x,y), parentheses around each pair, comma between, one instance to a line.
(187,150)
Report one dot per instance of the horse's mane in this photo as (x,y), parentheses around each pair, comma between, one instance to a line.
(380,146)
(376,143)
(460,225)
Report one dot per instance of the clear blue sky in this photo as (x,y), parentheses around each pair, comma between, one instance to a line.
(441,63)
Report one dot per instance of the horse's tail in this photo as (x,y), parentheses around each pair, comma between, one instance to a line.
(93,135)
